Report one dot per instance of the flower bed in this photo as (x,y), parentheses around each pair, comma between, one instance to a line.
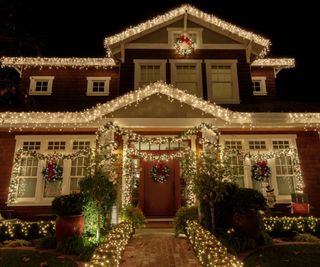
(109,253)
(208,248)
(25,230)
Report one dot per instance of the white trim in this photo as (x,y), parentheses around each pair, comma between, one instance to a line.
(197,62)
(262,81)
(167,46)
(137,69)
(39,199)
(269,148)
(91,80)
(33,83)
(235,86)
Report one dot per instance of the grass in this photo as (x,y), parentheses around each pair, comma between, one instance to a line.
(294,255)
(32,258)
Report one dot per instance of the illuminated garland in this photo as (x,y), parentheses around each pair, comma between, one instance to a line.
(94,116)
(174,13)
(109,253)
(260,171)
(57,62)
(160,172)
(274,62)
(208,248)
(184,46)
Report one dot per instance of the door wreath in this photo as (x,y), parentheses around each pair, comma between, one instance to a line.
(160,172)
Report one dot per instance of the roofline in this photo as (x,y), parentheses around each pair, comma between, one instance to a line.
(57,62)
(211,19)
(287,63)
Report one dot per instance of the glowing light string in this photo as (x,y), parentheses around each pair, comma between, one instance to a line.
(274,62)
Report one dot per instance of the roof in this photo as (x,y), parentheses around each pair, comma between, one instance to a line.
(57,62)
(274,62)
(212,20)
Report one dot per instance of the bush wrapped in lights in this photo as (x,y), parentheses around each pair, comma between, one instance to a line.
(209,249)
(25,230)
(109,253)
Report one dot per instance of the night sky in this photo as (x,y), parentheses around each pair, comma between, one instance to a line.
(71,28)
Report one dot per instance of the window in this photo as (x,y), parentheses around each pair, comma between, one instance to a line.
(222,81)
(194,33)
(32,188)
(149,71)
(236,162)
(284,170)
(98,86)
(259,85)
(257,145)
(186,75)
(41,85)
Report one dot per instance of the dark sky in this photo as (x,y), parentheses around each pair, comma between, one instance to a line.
(72,28)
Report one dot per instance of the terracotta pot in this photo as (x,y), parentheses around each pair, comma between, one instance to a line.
(248,223)
(68,226)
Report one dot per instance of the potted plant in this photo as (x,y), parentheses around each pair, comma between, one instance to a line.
(70,220)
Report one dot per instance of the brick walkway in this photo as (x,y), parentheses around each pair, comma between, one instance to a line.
(158,248)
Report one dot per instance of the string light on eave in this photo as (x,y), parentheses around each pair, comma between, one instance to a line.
(57,62)
(213,20)
(274,62)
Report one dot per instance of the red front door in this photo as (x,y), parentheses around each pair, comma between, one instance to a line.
(159,199)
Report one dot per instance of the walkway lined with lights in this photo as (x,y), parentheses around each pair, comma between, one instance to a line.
(158,247)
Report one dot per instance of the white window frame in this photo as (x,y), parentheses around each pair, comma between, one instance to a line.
(271,162)
(91,80)
(33,83)
(196,31)
(39,199)
(137,69)
(235,85)
(262,82)
(197,62)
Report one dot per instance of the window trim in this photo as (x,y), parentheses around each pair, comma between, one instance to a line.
(39,199)
(137,69)
(262,81)
(235,83)
(197,62)
(90,81)
(269,147)
(178,30)
(33,83)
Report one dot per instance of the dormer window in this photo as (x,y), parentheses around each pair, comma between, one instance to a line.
(41,85)
(195,34)
(98,86)
(259,85)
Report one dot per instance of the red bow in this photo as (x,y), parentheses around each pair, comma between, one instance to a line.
(50,170)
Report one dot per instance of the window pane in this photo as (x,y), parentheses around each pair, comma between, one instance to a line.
(52,189)
(27,187)
(222,90)
(285,185)
(190,88)
(74,185)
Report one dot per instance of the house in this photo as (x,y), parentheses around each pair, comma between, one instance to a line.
(183,70)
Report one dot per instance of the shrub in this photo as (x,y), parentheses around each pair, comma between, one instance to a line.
(246,199)
(90,213)
(71,245)
(66,205)
(306,238)
(134,215)
(48,241)
(182,216)
(87,252)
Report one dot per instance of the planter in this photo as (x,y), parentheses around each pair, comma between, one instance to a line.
(68,226)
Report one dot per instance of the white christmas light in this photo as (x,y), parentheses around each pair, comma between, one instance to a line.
(213,20)
(57,62)
(274,62)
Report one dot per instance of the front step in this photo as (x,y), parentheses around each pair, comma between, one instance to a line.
(159,222)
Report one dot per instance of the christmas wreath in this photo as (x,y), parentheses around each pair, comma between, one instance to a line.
(261,171)
(160,172)
(184,46)
(52,172)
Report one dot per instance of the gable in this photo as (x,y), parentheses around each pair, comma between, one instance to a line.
(161,35)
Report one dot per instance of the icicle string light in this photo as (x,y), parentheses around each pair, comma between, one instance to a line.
(57,62)
(287,63)
(180,11)
(89,116)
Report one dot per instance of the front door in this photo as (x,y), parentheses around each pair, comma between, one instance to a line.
(159,199)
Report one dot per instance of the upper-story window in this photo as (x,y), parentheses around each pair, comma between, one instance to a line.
(259,85)
(147,71)
(98,86)
(186,75)
(194,33)
(41,85)
(222,81)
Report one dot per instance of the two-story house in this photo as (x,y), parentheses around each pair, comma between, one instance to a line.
(159,79)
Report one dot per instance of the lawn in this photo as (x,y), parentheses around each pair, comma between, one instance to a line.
(294,255)
(32,258)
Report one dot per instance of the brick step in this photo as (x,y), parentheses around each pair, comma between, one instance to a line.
(159,222)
